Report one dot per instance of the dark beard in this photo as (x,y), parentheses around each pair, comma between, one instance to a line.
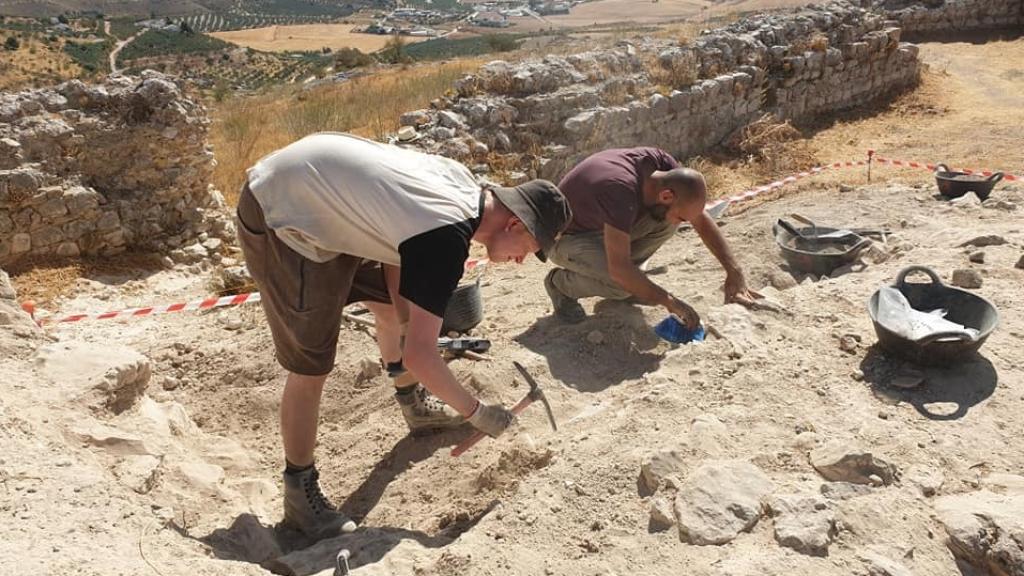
(659,212)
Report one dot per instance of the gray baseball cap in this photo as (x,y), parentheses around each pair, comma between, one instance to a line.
(541,206)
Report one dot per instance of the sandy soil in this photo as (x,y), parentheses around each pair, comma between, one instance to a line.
(308,37)
(183,480)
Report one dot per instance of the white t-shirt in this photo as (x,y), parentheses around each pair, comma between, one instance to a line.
(333,193)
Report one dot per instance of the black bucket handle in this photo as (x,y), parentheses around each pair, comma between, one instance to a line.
(901,279)
(995,177)
(953,334)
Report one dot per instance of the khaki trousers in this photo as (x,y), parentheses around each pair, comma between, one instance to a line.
(583,262)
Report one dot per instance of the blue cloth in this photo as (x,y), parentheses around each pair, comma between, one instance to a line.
(672,330)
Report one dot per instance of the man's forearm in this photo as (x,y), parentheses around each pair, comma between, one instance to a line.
(432,371)
(634,281)
(712,237)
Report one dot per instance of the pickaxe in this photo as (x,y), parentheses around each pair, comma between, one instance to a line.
(535,393)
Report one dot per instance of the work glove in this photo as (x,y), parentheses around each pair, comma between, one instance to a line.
(491,419)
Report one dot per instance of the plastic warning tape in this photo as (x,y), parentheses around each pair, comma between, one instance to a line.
(754,192)
(204,304)
(192,306)
(933,167)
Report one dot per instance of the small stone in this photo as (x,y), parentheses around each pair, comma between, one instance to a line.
(967,278)
(781,280)
(842,462)
(857,375)
(848,343)
(170,383)
(804,523)
(595,337)
(662,517)
(1020,263)
(883,414)
(986,240)
(659,468)
(879,565)
(212,244)
(977,257)
(231,323)
(369,369)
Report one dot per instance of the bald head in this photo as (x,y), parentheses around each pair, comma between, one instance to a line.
(687,184)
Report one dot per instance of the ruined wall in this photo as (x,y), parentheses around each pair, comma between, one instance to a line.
(538,118)
(938,16)
(98,169)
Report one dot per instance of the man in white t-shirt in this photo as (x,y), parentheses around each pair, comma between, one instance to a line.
(335,218)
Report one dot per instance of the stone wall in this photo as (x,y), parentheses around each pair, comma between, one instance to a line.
(941,16)
(98,169)
(538,118)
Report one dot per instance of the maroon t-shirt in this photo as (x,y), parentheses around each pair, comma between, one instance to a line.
(605,187)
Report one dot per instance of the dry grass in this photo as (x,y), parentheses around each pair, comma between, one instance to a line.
(35,64)
(246,129)
(774,147)
(47,279)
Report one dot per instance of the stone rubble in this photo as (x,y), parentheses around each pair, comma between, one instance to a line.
(97,169)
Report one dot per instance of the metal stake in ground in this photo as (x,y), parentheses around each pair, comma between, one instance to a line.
(535,393)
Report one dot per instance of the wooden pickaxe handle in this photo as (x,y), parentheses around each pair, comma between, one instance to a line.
(478,435)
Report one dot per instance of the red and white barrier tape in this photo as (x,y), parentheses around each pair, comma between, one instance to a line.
(754,192)
(933,167)
(192,306)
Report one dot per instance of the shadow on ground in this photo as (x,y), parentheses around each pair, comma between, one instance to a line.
(283,550)
(946,393)
(613,345)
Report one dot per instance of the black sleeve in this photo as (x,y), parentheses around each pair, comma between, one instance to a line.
(432,265)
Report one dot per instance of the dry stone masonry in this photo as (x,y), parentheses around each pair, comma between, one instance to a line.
(537,118)
(954,15)
(98,169)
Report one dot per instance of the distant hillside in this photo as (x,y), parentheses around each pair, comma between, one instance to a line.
(143,8)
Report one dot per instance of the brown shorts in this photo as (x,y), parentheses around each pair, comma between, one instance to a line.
(303,299)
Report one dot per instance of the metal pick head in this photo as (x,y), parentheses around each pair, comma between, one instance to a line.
(537,394)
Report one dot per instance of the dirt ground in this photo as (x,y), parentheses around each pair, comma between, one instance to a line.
(308,37)
(184,480)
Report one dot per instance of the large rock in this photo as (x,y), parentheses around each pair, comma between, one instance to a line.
(985,530)
(107,377)
(720,500)
(804,523)
(842,462)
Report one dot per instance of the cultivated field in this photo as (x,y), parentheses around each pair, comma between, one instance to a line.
(308,37)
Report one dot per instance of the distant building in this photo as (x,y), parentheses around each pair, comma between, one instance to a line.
(491,19)
(554,8)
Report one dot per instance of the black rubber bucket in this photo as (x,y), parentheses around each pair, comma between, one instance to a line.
(942,348)
(817,262)
(465,309)
(956,184)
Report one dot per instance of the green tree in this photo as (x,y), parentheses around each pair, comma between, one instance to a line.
(394,51)
(12,43)
(62,19)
